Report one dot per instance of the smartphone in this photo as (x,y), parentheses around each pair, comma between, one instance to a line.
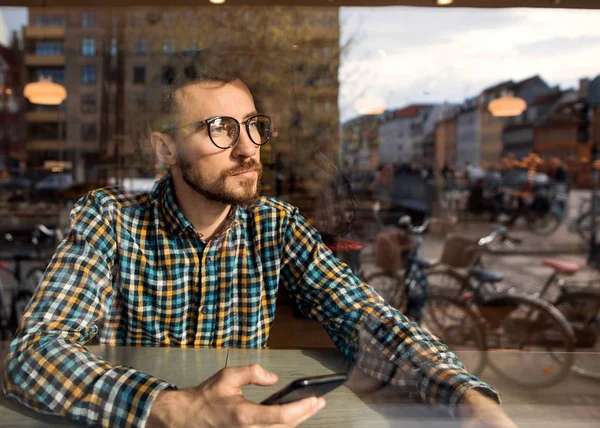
(307,387)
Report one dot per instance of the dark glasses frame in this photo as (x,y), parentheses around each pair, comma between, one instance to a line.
(246,124)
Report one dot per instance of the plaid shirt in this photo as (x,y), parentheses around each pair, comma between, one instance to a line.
(133,271)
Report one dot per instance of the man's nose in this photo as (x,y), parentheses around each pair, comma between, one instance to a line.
(244,147)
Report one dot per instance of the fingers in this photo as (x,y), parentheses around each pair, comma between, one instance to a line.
(303,410)
(288,415)
(248,375)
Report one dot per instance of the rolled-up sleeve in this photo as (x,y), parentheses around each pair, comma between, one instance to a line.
(364,327)
(48,368)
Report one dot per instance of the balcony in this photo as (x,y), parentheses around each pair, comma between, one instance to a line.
(33,60)
(45,116)
(44,145)
(44,32)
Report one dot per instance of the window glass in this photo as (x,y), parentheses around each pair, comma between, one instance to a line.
(48,48)
(88,19)
(139,75)
(57,74)
(88,74)
(141,47)
(88,47)
(88,103)
(88,132)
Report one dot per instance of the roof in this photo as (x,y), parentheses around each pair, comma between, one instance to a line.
(548,99)
(499,86)
(519,85)
(565,113)
(411,110)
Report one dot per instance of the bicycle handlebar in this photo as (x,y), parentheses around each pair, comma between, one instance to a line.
(502,233)
(405,222)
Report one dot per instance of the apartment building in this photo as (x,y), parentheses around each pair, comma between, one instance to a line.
(12,154)
(112,60)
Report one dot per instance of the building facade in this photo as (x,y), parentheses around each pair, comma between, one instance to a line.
(402,134)
(468,135)
(12,153)
(112,60)
(445,142)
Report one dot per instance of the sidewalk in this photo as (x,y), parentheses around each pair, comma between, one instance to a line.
(562,241)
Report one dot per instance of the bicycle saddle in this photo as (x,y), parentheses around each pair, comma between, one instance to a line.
(487,276)
(562,267)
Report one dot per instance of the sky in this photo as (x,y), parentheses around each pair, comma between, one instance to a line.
(12,18)
(407,55)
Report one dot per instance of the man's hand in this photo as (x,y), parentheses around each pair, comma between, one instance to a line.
(219,402)
(479,411)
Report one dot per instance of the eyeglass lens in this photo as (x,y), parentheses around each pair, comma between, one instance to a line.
(224,131)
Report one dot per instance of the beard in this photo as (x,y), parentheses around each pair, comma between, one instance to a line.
(219,191)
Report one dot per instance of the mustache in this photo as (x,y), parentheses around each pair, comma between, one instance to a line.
(250,165)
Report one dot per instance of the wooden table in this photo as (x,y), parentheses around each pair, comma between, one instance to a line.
(574,402)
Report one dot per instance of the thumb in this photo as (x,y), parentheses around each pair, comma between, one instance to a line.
(249,375)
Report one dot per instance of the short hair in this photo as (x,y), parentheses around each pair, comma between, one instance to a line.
(184,69)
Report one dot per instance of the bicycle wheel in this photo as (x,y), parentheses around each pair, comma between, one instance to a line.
(19,305)
(388,286)
(33,279)
(540,337)
(544,225)
(459,327)
(584,226)
(446,283)
(582,310)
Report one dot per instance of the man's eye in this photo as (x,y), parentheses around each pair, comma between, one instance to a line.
(218,129)
(253,124)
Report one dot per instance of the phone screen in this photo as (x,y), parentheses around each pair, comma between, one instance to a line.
(306,387)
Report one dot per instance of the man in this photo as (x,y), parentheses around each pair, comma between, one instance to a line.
(197,262)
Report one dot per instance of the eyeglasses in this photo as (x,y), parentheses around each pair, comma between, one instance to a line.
(224,131)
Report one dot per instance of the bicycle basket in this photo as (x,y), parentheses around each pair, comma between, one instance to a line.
(460,252)
(389,248)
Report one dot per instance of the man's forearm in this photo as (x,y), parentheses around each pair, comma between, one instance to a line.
(63,378)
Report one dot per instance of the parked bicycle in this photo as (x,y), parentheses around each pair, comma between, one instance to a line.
(469,308)
(405,289)
(16,288)
(582,224)
(579,302)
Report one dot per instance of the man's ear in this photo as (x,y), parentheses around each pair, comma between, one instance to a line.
(164,148)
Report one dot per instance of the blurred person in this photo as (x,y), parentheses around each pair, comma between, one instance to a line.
(559,174)
(197,262)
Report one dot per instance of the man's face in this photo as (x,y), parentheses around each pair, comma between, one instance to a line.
(228,176)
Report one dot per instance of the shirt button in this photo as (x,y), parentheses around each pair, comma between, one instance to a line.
(204,310)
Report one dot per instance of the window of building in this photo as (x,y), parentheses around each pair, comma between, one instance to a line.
(192,20)
(88,19)
(88,103)
(169,19)
(48,48)
(141,47)
(167,75)
(88,47)
(114,47)
(88,74)
(57,74)
(88,132)
(49,21)
(194,47)
(139,75)
(112,74)
(168,47)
